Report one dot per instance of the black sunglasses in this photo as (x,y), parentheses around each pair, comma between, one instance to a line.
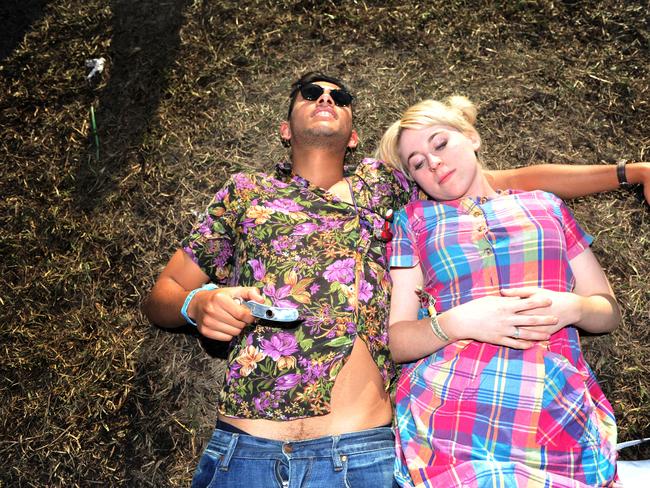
(312,91)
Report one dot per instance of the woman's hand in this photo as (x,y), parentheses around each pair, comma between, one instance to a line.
(507,321)
(565,306)
(639,174)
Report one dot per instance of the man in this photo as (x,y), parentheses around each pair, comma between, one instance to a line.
(306,403)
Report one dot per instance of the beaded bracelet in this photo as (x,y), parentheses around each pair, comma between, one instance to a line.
(188,299)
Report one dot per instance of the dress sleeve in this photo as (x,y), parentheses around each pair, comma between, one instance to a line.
(577,240)
(401,249)
(210,243)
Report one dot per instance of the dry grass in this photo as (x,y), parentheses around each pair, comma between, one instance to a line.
(91,394)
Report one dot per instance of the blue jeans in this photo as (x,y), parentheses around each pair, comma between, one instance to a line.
(361,459)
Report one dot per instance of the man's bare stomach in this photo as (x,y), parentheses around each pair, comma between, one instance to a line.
(358,402)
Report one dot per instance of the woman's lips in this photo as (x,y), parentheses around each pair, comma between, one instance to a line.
(446,176)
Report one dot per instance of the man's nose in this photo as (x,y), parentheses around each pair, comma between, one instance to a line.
(325,98)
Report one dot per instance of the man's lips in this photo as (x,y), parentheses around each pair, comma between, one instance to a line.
(446,176)
(325,112)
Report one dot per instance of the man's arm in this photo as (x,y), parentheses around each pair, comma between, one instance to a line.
(217,314)
(571,180)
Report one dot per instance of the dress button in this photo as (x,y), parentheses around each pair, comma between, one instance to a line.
(287,448)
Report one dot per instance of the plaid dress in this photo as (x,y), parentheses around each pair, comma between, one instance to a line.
(475,414)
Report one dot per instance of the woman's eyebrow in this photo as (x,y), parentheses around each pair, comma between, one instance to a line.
(429,139)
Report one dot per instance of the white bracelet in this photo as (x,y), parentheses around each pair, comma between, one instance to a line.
(188,299)
(437,330)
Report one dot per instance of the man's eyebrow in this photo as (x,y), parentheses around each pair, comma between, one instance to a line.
(428,140)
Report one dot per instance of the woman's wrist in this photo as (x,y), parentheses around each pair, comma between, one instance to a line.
(445,321)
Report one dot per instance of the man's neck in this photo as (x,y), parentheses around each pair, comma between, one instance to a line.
(321,167)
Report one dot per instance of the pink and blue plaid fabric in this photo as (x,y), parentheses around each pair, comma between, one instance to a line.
(480,415)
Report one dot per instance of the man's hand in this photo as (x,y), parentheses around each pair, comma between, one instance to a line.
(220,315)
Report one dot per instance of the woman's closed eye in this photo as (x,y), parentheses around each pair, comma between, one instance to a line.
(418,164)
(439,144)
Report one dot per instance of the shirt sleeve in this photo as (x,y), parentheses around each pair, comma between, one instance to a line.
(210,243)
(577,240)
(401,249)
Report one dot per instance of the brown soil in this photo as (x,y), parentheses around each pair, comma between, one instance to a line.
(194,90)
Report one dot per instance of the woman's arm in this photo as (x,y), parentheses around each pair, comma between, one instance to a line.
(599,311)
(490,319)
(571,180)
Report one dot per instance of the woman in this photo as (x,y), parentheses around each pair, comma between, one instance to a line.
(473,409)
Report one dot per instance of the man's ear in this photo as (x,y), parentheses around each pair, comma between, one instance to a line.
(285,131)
(354,140)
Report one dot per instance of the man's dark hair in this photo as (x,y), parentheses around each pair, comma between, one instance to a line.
(306,79)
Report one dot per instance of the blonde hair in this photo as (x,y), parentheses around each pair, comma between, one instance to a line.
(456,111)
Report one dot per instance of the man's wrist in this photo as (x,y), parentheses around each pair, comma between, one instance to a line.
(190,297)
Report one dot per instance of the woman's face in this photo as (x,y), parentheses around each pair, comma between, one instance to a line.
(442,161)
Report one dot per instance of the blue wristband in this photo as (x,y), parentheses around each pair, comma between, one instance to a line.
(188,299)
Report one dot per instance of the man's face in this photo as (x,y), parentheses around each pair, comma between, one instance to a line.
(320,121)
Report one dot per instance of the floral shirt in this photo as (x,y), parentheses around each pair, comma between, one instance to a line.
(305,249)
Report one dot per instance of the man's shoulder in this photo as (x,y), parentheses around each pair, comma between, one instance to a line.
(250,180)
(383,173)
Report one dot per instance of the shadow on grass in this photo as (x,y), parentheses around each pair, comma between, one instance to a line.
(144,48)
(16,17)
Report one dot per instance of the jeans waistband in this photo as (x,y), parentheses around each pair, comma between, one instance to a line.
(345,444)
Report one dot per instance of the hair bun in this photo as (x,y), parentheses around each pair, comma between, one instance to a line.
(465,106)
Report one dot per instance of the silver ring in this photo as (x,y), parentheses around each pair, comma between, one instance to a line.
(238,300)
(516,332)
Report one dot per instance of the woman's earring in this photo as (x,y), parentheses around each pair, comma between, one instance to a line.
(286,142)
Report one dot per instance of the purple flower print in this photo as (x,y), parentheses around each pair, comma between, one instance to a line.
(284,205)
(313,289)
(220,195)
(365,291)
(341,271)
(262,401)
(287,381)
(242,182)
(329,223)
(206,226)
(259,271)
(278,296)
(313,371)
(281,344)
(266,400)
(282,243)
(224,254)
(401,178)
(350,327)
(304,229)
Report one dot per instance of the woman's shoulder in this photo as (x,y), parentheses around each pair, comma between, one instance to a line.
(536,195)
